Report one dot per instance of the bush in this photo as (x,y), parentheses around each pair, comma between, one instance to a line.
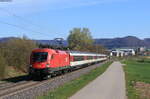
(3,65)
(17,52)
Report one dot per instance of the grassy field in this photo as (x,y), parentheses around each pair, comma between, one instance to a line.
(137,70)
(72,87)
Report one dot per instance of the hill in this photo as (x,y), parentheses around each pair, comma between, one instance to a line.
(128,41)
(6,39)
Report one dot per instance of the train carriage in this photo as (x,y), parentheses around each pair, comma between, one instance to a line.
(46,61)
(80,58)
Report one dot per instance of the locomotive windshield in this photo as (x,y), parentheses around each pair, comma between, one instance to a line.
(39,56)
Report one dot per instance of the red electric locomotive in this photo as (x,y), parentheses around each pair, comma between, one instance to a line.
(46,62)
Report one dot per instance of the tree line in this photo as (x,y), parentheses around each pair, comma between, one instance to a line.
(15,54)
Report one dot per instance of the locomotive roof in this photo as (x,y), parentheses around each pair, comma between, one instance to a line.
(49,50)
(74,53)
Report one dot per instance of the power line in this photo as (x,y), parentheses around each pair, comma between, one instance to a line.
(18,17)
(20,27)
(22,19)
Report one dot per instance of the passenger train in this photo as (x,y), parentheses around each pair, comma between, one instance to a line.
(47,62)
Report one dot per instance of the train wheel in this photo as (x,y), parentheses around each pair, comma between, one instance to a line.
(65,71)
(47,77)
(31,76)
(59,73)
(54,74)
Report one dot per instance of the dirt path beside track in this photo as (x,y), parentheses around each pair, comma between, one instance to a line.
(110,85)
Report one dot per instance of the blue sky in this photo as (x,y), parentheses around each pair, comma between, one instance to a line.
(55,18)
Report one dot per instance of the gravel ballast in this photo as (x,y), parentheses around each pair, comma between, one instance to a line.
(34,91)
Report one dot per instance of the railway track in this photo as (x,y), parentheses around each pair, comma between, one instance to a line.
(21,86)
(36,87)
(5,84)
(11,89)
(10,84)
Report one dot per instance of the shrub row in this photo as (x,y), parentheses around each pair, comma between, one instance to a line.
(15,53)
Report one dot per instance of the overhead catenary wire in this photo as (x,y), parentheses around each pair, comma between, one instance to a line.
(22,19)
(19,17)
(21,27)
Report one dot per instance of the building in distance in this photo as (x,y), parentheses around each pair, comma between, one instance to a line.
(122,52)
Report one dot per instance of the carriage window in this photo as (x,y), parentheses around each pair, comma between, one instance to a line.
(78,58)
(89,57)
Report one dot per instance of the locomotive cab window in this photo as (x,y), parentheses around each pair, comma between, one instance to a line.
(39,56)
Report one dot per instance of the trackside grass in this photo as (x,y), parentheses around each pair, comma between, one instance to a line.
(70,88)
(137,70)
